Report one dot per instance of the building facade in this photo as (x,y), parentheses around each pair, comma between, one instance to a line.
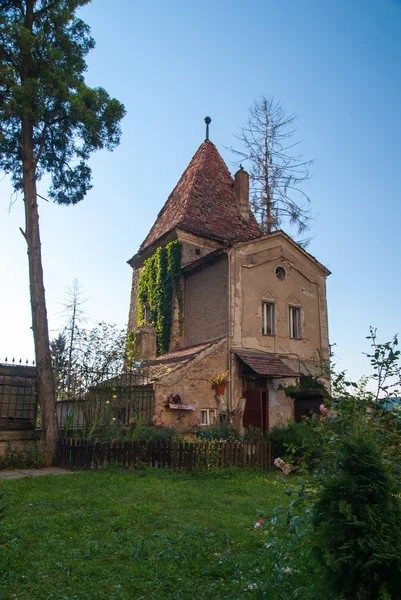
(252,304)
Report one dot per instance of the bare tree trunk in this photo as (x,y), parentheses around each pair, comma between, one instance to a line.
(47,393)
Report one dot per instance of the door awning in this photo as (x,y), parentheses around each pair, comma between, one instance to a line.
(264,363)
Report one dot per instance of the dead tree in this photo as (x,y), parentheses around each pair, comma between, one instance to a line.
(276,171)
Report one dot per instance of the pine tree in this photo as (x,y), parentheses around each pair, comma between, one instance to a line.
(50,122)
(357,525)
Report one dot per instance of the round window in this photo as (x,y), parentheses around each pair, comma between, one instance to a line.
(280,273)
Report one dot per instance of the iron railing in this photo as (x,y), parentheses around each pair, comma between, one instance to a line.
(83,396)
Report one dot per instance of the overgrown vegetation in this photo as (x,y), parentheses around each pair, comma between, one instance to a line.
(31,455)
(344,523)
(357,525)
(159,284)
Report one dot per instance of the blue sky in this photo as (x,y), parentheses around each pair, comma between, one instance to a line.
(337,65)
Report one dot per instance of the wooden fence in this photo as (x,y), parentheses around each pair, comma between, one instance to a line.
(81,455)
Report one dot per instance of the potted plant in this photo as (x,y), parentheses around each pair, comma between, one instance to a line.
(219,382)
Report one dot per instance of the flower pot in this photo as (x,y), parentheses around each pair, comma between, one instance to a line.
(220,390)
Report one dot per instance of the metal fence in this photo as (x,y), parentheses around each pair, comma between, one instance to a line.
(83,396)
(94,397)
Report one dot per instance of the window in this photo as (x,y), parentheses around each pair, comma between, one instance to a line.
(268,318)
(295,323)
(207,416)
(146,314)
(280,273)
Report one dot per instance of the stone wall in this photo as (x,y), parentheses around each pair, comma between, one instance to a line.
(190,382)
(206,303)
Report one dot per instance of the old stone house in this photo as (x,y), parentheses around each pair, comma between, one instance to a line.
(245,302)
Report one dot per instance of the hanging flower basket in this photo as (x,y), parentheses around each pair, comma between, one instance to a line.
(220,389)
(219,382)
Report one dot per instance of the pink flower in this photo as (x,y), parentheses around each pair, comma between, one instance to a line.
(258,525)
(323,409)
(321,381)
(261,522)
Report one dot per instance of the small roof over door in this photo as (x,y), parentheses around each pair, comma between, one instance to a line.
(264,363)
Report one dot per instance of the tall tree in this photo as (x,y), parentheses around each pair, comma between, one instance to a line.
(276,171)
(50,122)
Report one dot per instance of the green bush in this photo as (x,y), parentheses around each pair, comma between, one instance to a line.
(357,525)
(29,456)
(292,440)
(159,434)
(223,432)
(253,434)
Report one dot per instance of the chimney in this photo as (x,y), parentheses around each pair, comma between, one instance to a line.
(241,191)
(146,342)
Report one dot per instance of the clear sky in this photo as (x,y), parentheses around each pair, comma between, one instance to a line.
(335,64)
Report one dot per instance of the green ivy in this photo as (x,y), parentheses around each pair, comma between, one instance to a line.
(306,383)
(159,284)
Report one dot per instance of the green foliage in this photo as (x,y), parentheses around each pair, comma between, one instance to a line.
(306,383)
(253,434)
(138,432)
(161,434)
(43,95)
(98,352)
(159,284)
(292,440)
(2,506)
(223,431)
(31,455)
(357,525)
(347,508)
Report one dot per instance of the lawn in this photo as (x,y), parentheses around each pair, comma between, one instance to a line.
(140,536)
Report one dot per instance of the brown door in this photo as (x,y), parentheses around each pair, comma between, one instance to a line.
(256,409)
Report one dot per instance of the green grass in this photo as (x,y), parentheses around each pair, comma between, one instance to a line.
(139,536)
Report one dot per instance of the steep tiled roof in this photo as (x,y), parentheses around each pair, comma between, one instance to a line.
(167,363)
(184,354)
(203,203)
(266,364)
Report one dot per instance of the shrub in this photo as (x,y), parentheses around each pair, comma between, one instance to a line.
(292,440)
(224,431)
(357,525)
(32,455)
(160,434)
(253,434)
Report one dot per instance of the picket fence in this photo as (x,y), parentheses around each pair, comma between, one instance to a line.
(81,455)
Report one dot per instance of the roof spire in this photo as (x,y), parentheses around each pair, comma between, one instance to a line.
(208,120)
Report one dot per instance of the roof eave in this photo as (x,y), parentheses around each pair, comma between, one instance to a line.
(279,232)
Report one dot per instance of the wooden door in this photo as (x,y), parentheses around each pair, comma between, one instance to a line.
(256,411)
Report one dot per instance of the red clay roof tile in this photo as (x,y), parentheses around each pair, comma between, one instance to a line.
(265,364)
(203,203)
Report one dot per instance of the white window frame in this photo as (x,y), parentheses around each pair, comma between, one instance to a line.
(272,305)
(295,322)
(208,415)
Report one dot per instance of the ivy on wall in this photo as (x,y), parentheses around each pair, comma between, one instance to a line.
(159,284)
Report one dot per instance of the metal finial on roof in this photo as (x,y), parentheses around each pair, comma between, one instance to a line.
(208,120)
